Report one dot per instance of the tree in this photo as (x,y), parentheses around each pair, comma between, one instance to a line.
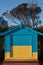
(35,21)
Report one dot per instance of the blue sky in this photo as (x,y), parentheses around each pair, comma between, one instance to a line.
(10,4)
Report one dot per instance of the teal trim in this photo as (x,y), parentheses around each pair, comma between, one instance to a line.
(9,30)
(21,36)
(32,30)
(23,31)
(7,43)
(11,40)
(35,44)
(15,29)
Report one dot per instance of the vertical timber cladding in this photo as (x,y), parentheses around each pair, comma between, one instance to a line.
(7,47)
(22,46)
(35,46)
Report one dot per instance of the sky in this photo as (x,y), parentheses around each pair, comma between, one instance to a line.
(10,4)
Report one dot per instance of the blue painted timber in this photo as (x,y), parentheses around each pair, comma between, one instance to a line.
(21,36)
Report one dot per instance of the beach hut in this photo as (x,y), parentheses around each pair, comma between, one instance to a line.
(21,43)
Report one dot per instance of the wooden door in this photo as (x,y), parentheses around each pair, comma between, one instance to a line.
(22,47)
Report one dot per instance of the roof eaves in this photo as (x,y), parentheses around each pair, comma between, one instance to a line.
(34,31)
(9,30)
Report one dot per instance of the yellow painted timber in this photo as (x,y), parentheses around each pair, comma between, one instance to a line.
(7,55)
(22,52)
(35,55)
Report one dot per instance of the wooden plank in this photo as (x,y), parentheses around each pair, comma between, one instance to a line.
(30,62)
(20,63)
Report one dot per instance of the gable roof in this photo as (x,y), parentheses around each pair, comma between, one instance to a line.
(20,27)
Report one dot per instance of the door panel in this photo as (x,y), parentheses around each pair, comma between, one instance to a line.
(22,52)
(22,47)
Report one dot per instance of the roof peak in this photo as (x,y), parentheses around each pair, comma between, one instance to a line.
(19,27)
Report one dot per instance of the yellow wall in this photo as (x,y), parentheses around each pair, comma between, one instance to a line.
(21,52)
